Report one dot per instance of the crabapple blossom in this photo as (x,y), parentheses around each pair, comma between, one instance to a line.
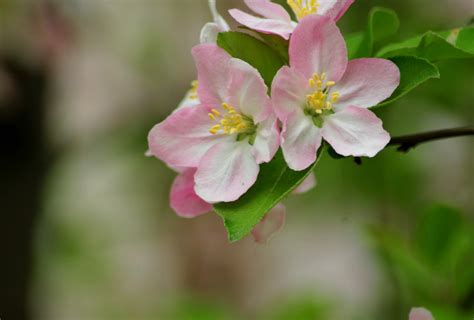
(322,95)
(228,135)
(275,20)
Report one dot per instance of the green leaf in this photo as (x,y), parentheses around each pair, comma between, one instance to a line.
(434,46)
(275,181)
(382,24)
(413,71)
(258,54)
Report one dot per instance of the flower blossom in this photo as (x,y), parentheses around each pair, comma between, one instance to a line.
(420,314)
(323,95)
(228,135)
(208,35)
(275,20)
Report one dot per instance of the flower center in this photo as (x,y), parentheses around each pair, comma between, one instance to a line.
(302,8)
(322,99)
(193,91)
(230,121)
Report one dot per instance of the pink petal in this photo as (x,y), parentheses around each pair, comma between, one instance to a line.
(183,199)
(270,224)
(420,314)
(367,82)
(269,26)
(247,90)
(355,132)
(289,89)
(307,184)
(183,138)
(334,9)
(317,46)
(209,32)
(300,139)
(212,66)
(268,9)
(267,140)
(226,172)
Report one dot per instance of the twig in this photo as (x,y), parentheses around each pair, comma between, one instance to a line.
(405,143)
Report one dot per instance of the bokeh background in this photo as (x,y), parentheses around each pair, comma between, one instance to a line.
(87,232)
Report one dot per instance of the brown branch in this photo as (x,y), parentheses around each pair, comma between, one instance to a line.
(405,143)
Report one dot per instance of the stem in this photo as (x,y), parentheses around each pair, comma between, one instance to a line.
(405,143)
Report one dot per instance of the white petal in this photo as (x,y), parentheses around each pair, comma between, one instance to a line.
(226,172)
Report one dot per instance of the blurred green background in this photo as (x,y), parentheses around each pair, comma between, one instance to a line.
(88,230)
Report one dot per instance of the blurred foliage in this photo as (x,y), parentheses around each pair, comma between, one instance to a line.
(433,266)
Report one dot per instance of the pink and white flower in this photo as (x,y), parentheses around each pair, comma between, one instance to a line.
(275,20)
(420,314)
(322,95)
(228,135)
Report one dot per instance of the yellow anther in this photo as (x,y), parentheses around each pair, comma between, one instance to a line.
(230,121)
(193,91)
(321,99)
(302,8)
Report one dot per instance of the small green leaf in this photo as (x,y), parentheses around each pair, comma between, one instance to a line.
(258,54)
(277,43)
(413,71)
(275,181)
(382,24)
(434,46)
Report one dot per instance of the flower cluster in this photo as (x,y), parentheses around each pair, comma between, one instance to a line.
(228,125)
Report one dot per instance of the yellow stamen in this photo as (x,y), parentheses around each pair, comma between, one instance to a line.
(193,91)
(302,8)
(230,121)
(321,99)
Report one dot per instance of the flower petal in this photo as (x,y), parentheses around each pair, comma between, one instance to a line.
(289,89)
(271,223)
(212,66)
(247,90)
(226,172)
(307,184)
(209,32)
(420,314)
(189,100)
(367,82)
(183,138)
(269,26)
(183,199)
(267,140)
(334,9)
(300,140)
(268,9)
(317,46)
(355,132)
(221,23)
